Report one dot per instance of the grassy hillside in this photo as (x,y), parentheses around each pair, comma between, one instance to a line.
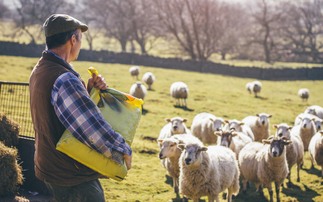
(221,95)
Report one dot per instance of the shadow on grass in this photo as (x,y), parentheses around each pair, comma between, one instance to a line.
(184,108)
(313,171)
(297,192)
(144,111)
(261,98)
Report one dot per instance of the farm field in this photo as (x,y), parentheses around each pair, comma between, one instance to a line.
(221,95)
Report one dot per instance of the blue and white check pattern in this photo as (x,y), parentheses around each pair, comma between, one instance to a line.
(79,114)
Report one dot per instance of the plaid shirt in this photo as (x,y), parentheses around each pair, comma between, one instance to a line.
(79,114)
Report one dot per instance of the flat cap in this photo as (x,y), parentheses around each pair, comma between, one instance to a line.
(59,23)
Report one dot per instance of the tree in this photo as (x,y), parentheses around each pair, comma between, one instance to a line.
(266,23)
(303,30)
(32,14)
(195,24)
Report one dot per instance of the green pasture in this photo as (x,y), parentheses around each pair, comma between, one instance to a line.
(221,95)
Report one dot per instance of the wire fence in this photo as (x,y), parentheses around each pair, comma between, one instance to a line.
(14,103)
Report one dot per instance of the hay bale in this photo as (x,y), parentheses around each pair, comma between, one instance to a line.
(9,131)
(10,171)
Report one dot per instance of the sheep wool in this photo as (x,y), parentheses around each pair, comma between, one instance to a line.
(207,171)
(316,150)
(259,125)
(148,78)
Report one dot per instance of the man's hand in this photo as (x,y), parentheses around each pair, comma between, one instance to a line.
(97,81)
(128,160)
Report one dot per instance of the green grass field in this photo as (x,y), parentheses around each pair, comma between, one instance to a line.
(221,95)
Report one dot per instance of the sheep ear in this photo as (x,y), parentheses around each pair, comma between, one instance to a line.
(167,120)
(218,133)
(321,131)
(184,120)
(276,126)
(202,149)
(257,115)
(287,142)
(234,134)
(269,115)
(181,146)
(226,121)
(241,123)
(211,119)
(160,140)
(266,141)
(290,128)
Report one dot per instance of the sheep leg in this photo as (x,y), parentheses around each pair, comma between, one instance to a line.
(277,186)
(298,169)
(270,191)
(229,195)
(211,198)
(289,183)
(175,185)
(244,186)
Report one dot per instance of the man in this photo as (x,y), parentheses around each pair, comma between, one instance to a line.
(59,100)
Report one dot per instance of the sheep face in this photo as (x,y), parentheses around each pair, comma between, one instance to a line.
(168,149)
(306,123)
(263,119)
(236,125)
(226,138)
(277,145)
(192,155)
(177,125)
(318,124)
(283,130)
(217,124)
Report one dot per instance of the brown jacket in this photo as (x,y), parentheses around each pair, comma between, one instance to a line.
(51,165)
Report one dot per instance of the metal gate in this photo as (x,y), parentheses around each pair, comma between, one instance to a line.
(14,103)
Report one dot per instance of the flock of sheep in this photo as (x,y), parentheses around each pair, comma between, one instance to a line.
(215,154)
(178,90)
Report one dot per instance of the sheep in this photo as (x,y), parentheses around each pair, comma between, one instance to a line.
(170,153)
(254,87)
(149,78)
(233,140)
(179,90)
(315,110)
(239,127)
(207,171)
(304,94)
(204,125)
(264,164)
(317,121)
(259,125)
(305,130)
(134,71)
(316,150)
(175,125)
(138,90)
(294,151)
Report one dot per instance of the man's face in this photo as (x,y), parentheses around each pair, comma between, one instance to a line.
(77,42)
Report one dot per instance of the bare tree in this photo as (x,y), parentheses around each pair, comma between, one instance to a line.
(3,9)
(195,24)
(266,22)
(303,30)
(32,13)
(143,23)
(114,17)
(234,25)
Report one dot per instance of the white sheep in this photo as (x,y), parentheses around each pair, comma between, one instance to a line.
(264,164)
(259,125)
(304,94)
(233,140)
(134,71)
(305,130)
(315,110)
(175,125)
(170,153)
(138,90)
(316,150)
(208,171)
(149,78)
(179,90)
(204,125)
(294,151)
(317,121)
(254,87)
(239,126)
